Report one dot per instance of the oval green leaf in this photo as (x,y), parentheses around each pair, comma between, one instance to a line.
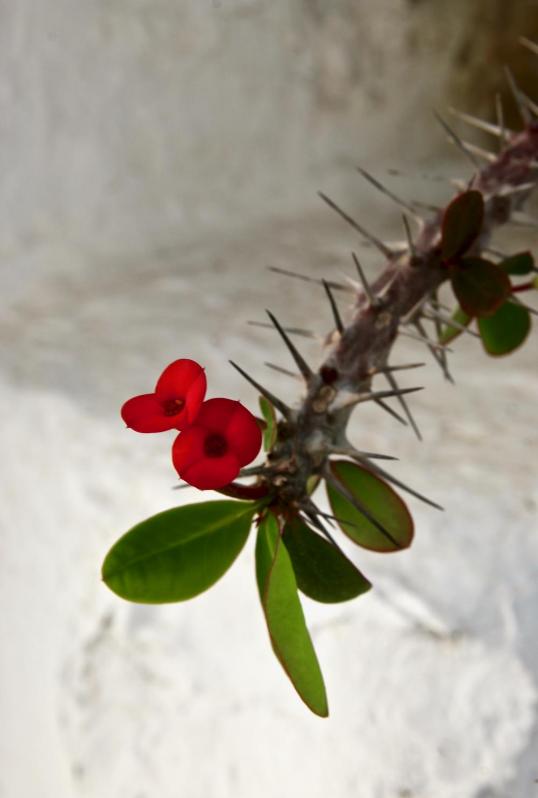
(379,500)
(462,223)
(505,330)
(284,615)
(480,286)
(179,553)
(448,333)
(322,571)
(269,416)
(521,263)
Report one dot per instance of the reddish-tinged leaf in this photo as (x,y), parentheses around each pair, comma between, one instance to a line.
(480,286)
(505,330)
(379,500)
(462,223)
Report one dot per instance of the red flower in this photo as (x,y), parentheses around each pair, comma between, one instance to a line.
(178,396)
(223,439)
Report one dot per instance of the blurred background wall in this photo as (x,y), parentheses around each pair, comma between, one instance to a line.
(156,156)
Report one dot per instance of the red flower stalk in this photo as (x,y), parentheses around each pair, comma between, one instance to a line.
(224,438)
(178,396)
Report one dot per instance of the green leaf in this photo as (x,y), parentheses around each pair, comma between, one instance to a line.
(521,263)
(179,553)
(379,499)
(448,333)
(480,286)
(322,572)
(285,619)
(462,223)
(505,330)
(270,431)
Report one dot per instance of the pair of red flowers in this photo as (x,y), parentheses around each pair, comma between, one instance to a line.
(218,437)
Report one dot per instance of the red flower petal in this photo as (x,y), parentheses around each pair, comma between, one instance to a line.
(188,448)
(195,467)
(177,378)
(216,414)
(145,414)
(194,398)
(244,435)
(213,472)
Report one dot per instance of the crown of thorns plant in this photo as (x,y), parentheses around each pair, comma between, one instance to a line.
(181,552)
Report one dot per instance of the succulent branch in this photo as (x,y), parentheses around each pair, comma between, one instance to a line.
(404,294)
(177,554)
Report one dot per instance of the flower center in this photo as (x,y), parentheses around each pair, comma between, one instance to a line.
(215,445)
(172,407)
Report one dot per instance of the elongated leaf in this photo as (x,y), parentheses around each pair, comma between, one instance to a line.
(270,431)
(480,286)
(505,330)
(462,223)
(379,500)
(179,553)
(322,572)
(285,619)
(448,333)
(521,263)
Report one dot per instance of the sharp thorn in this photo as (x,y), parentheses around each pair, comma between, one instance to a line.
(440,318)
(382,473)
(334,307)
(521,189)
(290,330)
(531,105)
(388,253)
(421,175)
(425,340)
(311,513)
(497,253)
(480,152)
(375,395)
(439,353)
(522,108)
(278,403)
(481,124)
(282,370)
(499,113)
(388,409)
(359,506)
(300,362)
(374,301)
(403,367)
(530,45)
(252,471)
(438,330)
(351,451)
(457,141)
(409,236)
(307,279)
(394,385)
(380,187)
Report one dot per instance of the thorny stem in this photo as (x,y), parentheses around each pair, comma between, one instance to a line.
(361,349)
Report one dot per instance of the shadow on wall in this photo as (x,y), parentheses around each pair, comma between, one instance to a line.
(475,40)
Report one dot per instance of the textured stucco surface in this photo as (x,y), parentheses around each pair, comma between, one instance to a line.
(156,158)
